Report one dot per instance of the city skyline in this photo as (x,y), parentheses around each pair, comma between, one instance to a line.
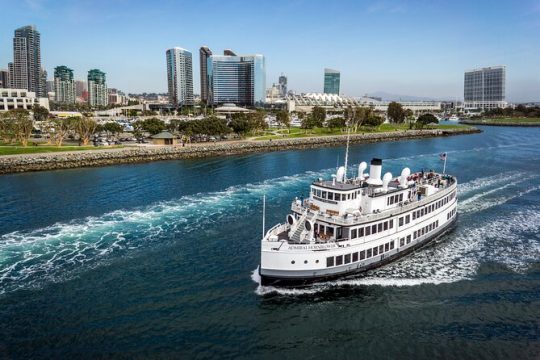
(378,46)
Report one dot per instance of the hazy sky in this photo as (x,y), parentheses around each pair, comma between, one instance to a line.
(402,47)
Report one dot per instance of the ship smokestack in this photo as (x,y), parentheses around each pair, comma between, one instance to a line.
(375,170)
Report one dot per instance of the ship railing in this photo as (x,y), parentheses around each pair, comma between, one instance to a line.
(276,230)
(351,219)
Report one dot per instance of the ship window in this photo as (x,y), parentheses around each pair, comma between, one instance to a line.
(329,261)
(381,249)
(414,215)
(330,196)
(362,255)
(292,262)
(401,241)
(391,223)
(347,258)
(407,219)
(373,229)
(319,193)
(368,230)
(329,230)
(408,239)
(379,227)
(391,244)
(401,221)
(316,261)
(360,232)
(400,197)
(415,235)
(305,261)
(353,234)
(386,247)
(355,257)
(324,194)
(339,260)
(337,197)
(375,251)
(386,225)
(368,254)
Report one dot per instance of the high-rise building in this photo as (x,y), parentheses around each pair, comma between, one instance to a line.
(80,88)
(27,71)
(179,76)
(64,85)
(237,79)
(283,85)
(97,88)
(11,74)
(4,79)
(204,54)
(484,88)
(331,81)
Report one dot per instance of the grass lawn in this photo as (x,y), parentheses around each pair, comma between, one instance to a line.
(300,133)
(512,120)
(6,149)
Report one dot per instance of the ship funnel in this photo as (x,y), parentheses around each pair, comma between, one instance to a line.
(340,175)
(361,168)
(403,179)
(385,180)
(375,172)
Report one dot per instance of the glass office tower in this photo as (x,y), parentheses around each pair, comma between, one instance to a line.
(237,79)
(179,76)
(331,81)
(484,88)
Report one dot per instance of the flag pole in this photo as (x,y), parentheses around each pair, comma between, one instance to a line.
(264,215)
(444,166)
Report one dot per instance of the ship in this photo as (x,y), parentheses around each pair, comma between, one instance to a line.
(349,225)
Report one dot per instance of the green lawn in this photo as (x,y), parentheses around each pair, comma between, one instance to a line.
(300,133)
(30,149)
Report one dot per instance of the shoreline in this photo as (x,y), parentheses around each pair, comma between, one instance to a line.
(132,155)
(488,123)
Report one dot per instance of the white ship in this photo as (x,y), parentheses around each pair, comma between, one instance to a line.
(350,225)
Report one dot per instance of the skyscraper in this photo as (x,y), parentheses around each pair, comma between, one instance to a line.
(485,88)
(64,85)
(204,54)
(97,88)
(27,71)
(237,79)
(4,79)
(331,81)
(283,85)
(179,76)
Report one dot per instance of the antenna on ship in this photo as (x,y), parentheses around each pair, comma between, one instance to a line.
(264,215)
(347,153)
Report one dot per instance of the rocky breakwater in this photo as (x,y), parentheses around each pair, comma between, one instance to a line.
(127,155)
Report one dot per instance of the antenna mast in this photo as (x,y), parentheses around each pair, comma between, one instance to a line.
(347,152)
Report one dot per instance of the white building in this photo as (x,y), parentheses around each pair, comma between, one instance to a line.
(179,76)
(485,88)
(20,99)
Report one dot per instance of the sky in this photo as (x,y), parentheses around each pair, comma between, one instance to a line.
(415,48)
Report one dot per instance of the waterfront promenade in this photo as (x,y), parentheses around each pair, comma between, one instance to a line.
(136,154)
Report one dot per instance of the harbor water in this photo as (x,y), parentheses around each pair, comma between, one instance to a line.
(159,260)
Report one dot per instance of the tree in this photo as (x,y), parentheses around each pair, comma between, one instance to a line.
(374,120)
(318,115)
(240,124)
(113,128)
(283,118)
(153,126)
(7,128)
(40,113)
(85,128)
(62,127)
(396,114)
(426,119)
(334,123)
(17,125)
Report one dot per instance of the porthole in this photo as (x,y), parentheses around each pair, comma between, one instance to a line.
(305,261)
(316,261)
(292,262)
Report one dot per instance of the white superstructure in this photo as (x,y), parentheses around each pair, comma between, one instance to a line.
(350,225)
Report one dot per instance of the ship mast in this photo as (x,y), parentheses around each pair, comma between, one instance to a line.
(347,153)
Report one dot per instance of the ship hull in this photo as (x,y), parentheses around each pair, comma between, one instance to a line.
(303,280)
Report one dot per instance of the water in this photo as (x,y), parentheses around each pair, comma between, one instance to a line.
(159,260)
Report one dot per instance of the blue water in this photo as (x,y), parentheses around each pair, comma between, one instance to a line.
(158,260)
